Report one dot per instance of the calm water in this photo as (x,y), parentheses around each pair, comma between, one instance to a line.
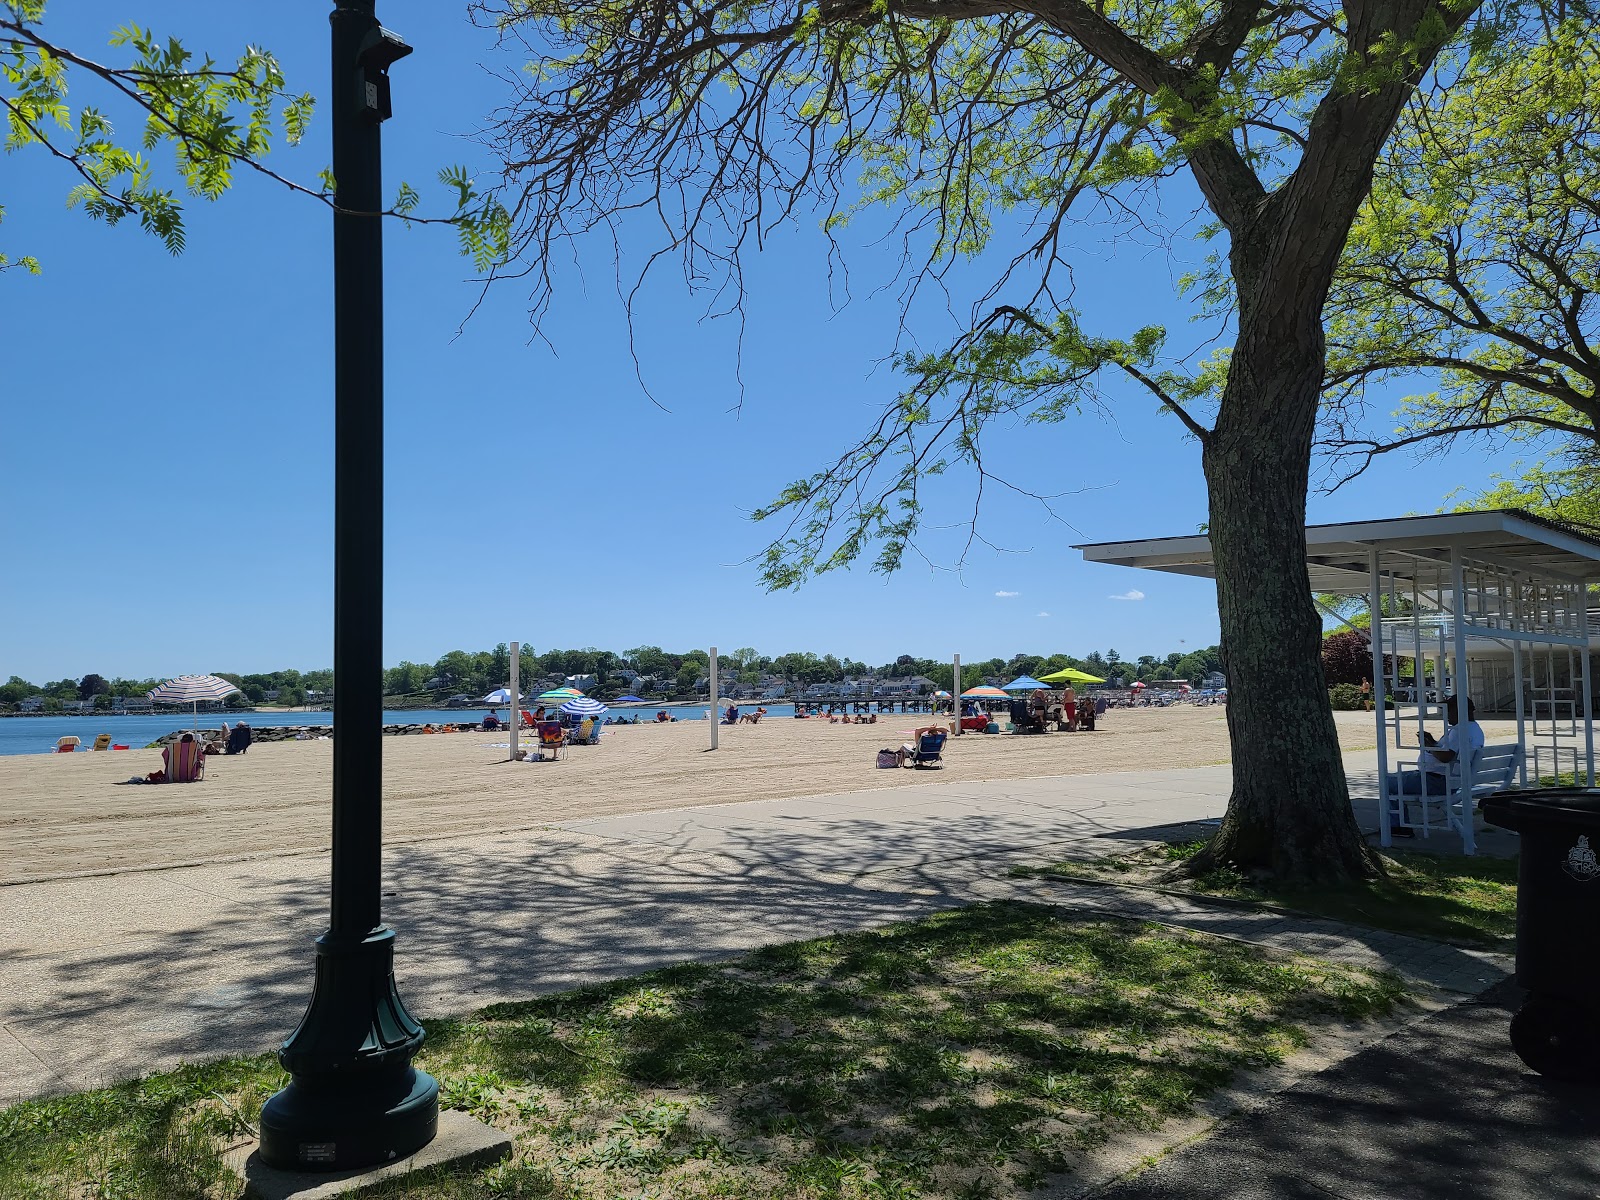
(37,735)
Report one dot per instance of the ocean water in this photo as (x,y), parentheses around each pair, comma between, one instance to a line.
(37,735)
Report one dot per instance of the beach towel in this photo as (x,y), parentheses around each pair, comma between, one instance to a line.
(186,762)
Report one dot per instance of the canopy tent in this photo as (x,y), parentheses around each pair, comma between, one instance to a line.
(984,693)
(1491,604)
(1071,675)
(1023,683)
(191,689)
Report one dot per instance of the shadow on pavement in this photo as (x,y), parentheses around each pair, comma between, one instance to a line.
(1442,1110)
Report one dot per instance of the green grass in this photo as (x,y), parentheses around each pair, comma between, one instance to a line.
(966,1055)
(1447,897)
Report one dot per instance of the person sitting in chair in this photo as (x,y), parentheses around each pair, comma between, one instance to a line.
(185,760)
(239,739)
(1432,775)
(909,749)
(490,721)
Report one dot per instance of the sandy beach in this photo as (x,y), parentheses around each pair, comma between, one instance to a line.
(64,814)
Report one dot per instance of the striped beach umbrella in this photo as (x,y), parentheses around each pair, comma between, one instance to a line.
(191,689)
(584,707)
(560,693)
(984,693)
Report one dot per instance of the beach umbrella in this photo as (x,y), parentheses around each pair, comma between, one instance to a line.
(1023,683)
(984,693)
(584,707)
(1071,675)
(191,689)
(630,700)
(498,696)
(1138,684)
(941,695)
(560,693)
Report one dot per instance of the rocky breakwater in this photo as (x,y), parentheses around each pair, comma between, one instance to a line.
(311,733)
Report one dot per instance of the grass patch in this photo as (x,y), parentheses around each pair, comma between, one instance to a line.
(1447,897)
(965,1055)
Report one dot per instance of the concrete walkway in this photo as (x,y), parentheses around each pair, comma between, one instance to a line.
(111,976)
(1440,1111)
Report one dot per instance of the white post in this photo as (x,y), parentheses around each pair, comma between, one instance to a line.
(1463,694)
(516,697)
(1517,668)
(955,698)
(1379,694)
(711,684)
(1588,704)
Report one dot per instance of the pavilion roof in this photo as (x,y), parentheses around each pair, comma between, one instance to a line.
(1338,556)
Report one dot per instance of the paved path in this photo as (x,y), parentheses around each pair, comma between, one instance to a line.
(1440,1111)
(114,975)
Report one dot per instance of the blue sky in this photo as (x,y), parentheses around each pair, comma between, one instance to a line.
(531,494)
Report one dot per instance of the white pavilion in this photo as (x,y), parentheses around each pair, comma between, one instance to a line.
(1491,605)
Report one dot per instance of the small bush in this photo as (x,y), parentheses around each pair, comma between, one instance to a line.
(1346,697)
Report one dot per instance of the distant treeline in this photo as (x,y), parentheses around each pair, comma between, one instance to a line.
(660,674)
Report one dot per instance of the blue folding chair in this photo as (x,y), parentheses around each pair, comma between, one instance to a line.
(929,751)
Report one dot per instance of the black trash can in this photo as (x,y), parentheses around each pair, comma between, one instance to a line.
(1557,1029)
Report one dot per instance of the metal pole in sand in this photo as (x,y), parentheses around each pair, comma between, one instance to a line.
(955,699)
(516,699)
(711,684)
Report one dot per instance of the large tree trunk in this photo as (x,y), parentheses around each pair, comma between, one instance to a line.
(1290,813)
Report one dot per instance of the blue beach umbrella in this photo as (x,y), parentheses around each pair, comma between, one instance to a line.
(498,697)
(584,707)
(1024,683)
(630,700)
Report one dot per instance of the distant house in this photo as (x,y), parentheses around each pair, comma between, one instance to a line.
(1214,680)
(582,682)
(31,703)
(629,676)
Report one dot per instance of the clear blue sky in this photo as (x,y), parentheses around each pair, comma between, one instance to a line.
(531,495)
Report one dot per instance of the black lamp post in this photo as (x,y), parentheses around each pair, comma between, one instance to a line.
(354,1099)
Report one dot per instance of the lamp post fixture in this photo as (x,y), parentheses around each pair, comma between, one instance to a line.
(354,1099)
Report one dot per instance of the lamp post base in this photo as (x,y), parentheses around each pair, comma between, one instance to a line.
(354,1100)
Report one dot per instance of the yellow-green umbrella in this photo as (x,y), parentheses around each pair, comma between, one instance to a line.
(1070,675)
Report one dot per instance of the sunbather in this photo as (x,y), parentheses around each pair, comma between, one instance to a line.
(185,760)
(910,748)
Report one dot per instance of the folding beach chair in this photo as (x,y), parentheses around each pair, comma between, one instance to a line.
(552,738)
(929,751)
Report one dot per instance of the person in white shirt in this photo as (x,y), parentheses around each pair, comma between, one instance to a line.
(1435,761)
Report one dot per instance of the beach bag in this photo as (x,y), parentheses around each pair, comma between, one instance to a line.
(888,758)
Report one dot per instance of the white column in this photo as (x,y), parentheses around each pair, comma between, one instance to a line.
(1588,702)
(1379,692)
(955,698)
(1463,694)
(516,696)
(1517,667)
(711,686)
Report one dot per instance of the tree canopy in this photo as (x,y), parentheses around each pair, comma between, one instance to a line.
(1475,262)
(214,119)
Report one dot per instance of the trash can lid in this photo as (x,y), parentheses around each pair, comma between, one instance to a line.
(1557,805)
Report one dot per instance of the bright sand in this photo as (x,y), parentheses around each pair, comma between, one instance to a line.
(63,815)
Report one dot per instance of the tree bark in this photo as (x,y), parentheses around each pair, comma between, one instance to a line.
(1289,815)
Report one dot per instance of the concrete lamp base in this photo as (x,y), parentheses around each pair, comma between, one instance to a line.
(461,1143)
